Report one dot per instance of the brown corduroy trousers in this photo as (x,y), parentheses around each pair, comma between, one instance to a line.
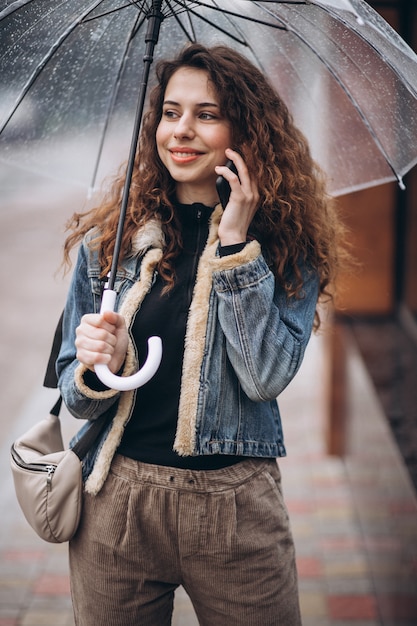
(223,535)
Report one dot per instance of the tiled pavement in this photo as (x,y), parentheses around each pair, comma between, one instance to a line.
(357,547)
(354,521)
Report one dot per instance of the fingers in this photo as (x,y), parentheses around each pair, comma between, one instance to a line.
(243,201)
(101,339)
(95,340)
(242,183)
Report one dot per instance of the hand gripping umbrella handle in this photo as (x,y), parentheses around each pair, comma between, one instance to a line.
(126,383)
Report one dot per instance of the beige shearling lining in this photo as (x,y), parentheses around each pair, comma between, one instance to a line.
(102,465)
(249,253)
(195,339)
(185,440)
(150,236)
(193,353)
(132,301)
(87,391)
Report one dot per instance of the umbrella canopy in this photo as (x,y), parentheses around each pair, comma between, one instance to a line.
(69,75)
(70,71)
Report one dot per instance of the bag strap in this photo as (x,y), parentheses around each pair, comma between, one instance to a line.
(57,407)
(91,435)
(51,381)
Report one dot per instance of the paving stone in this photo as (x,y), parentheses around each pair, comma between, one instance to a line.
(313,605)
(352,607)
(354,585)
(44,618)
(353,519)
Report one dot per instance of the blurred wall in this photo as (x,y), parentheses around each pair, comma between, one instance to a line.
(383,222)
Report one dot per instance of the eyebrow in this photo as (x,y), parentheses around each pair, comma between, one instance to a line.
(199,104)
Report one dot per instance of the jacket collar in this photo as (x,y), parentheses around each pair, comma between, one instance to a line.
(151,234)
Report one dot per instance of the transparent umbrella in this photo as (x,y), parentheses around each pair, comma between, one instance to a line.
(74,76)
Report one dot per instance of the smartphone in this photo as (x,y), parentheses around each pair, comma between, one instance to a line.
(223,187)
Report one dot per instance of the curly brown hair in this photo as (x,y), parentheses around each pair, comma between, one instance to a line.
(296,223)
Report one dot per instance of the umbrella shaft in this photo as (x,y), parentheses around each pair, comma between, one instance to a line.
(151,38)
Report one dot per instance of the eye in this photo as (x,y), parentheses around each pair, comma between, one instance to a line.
(170,114)
(207,115)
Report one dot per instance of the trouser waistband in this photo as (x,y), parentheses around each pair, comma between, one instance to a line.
(186,479)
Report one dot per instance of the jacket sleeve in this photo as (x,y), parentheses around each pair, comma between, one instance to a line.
(83,394)
(266,332)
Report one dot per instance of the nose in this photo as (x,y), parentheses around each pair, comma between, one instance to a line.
(184,127)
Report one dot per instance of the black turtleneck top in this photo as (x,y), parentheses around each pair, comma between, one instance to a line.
(149,435)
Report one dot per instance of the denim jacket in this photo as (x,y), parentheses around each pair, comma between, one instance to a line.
(245,341)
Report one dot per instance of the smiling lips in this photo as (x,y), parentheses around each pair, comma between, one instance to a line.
(184,156)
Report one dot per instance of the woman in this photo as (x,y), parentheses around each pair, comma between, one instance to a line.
(183,487)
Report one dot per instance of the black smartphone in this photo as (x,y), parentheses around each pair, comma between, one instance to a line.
(223,187)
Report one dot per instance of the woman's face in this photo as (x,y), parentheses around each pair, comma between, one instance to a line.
(192,135)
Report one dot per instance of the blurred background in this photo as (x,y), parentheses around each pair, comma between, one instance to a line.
(350,416)
(378,305)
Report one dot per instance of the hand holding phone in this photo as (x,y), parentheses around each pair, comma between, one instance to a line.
(222,185)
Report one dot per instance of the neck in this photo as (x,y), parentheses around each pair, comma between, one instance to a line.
(188,195)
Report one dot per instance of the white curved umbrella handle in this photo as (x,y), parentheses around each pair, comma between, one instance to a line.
(126,383)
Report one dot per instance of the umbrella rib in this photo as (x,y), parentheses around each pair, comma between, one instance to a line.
(15,6)
(116,10)
(387,60)
(18,5)
(191,37)
(353,100)
(37,71)
(237,28)
(115,89)
(232,14)
(217,27)
(247,44)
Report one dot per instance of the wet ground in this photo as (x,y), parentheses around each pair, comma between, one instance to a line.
(354,519)
(390,355)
